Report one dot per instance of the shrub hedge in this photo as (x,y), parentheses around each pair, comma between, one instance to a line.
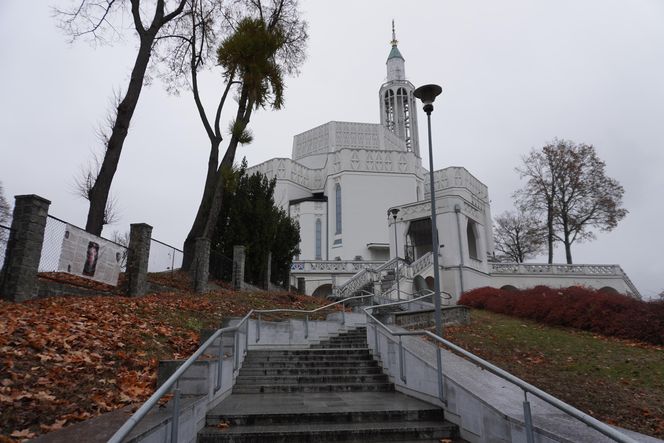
(603,313)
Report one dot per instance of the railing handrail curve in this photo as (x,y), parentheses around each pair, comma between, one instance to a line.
(527,387)
(141,412)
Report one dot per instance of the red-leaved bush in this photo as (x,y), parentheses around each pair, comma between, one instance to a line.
(577,307)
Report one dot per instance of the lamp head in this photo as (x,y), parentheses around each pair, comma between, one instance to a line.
(393,212)
(427,94)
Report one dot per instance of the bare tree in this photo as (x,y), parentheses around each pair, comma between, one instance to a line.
(4,207)
(100,21)
(518,235)
(568,180)
(255,43)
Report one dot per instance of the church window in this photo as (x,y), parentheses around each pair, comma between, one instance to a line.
(319,255)
(337,196)
(472,240)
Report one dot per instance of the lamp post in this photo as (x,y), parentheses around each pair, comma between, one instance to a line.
(427,94)
(394,212)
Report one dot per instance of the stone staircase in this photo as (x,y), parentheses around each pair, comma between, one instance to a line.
(334,391)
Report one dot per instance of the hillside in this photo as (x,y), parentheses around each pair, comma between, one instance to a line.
(617,381)
(67,359)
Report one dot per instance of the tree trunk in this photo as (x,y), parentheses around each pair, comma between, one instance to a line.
(204,207)
(549,227)
(99,192)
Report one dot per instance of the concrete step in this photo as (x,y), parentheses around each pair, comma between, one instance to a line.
(310,371)
(251,359)
(310,379)
(273,364)
(307,352)
(368,416)
(355,432)
(315,387)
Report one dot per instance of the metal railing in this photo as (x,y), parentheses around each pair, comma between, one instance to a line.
(173,380)
(526,387)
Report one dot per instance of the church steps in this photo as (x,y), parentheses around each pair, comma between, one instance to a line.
(321,394)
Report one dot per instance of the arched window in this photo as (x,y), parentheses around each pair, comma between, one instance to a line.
(472,240)
(319,255)
(337,196)
(389,109)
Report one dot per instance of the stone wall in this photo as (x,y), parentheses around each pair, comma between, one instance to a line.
(425,318)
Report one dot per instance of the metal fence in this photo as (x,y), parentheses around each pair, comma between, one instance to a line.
(71,250)
(4,238)
(164,258)
(221,267)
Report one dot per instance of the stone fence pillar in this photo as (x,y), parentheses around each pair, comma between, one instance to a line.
(138,256)
(238,267)
(24,248)
(201,264)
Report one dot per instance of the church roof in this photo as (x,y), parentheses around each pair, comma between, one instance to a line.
(394,53)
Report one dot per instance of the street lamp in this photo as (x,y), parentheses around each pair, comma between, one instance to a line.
(394,212)
(427,94)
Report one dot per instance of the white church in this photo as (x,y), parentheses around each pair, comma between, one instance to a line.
(344,183)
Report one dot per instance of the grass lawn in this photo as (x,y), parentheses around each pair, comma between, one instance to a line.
(617,381)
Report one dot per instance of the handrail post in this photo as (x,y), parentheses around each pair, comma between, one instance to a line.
(375,326)
(221,361)
(258,328)
(246,337)
(528,419)
(439,363)
(306,326)
(402,361)
(176,416)
(236,345)
(343,312)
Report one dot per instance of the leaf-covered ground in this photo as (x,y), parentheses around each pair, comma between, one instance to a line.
(617,381)
(66,359)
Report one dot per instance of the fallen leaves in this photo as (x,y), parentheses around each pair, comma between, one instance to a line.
(67,359)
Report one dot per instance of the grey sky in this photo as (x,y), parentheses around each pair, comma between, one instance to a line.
(515,74)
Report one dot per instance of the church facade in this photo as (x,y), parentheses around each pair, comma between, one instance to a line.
(361,197)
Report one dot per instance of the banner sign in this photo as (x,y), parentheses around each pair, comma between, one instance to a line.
(90,256)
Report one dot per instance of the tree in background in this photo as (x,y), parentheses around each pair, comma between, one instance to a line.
(518,235)
(101,21)
(4,207)
(568,182)
(250,217)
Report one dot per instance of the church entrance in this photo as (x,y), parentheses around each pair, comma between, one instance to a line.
(418,239)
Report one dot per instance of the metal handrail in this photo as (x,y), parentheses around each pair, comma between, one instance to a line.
(129,425)
(525,386)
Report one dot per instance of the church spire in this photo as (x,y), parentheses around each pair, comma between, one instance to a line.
(394,52)
(397,103)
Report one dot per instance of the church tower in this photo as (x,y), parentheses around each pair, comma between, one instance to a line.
(397,103)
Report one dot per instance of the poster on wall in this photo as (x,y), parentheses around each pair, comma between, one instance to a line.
(90,256)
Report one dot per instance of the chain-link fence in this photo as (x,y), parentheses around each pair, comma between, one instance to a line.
(4,238)
(221,267)
(71,251)
(165,263)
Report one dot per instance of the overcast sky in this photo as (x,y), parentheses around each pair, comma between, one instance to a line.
(515,74)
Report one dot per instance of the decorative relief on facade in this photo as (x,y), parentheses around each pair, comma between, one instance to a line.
(379,161)
(337,162)
(403,164)
(388,162)
(314,141)
(318,179)
(355,161)
(281,169)
(318,206)
(370,161)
